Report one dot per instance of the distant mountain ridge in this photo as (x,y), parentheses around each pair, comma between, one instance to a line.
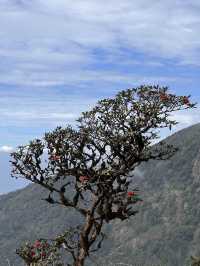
(6,182)
(166,229)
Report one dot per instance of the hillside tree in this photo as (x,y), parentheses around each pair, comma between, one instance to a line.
(100,156)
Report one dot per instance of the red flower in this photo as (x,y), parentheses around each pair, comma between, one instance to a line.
(186,100)
(83,178)
(32,254)
(37,244)
(130,194)
(55,157)
(43,254)
(163,97)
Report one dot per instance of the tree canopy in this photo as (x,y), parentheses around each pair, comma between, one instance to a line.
(111,141)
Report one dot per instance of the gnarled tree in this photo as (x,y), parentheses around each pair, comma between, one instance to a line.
(112,139)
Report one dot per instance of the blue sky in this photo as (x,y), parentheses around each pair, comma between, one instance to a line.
(58,58)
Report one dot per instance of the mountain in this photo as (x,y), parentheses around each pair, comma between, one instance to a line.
(166,229)
(6,182)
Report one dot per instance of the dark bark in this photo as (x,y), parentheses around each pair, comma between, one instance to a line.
(84,245)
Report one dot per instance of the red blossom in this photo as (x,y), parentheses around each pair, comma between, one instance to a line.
(55,157)
(163,97)
(186,100)
(43,254)
(83,178)
(131,193)
(32,254)
(37,244)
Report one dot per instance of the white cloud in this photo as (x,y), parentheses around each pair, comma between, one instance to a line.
(31,115)
(185,118)
(48,43)
(91,47)
(6,149)
(40,109)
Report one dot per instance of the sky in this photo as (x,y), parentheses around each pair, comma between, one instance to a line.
(58,58)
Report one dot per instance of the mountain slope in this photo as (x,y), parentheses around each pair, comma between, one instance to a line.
(167,228)
(6,182)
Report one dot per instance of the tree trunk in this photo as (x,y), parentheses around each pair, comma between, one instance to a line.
(81,258)
(84,245)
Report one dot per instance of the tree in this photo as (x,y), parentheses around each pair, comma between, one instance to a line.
(195,261)
(111,141)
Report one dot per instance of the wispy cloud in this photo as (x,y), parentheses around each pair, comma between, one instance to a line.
(44,43)
(6,149)
(186,118)
(59,58)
